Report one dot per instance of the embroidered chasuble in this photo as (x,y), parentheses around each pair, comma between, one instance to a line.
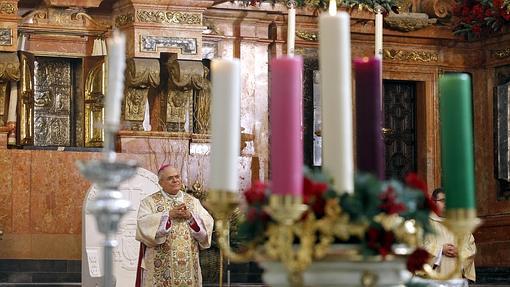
(171,245)
(434,245)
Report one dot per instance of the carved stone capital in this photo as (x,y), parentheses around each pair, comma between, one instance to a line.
(142,73)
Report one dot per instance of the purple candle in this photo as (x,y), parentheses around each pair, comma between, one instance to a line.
(369,141)
(285,124)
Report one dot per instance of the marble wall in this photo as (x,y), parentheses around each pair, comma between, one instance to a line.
(42,193)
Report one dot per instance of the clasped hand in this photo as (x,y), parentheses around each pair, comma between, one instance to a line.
(180,212)
(449,250)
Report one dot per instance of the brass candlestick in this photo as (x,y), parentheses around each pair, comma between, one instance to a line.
(108,206)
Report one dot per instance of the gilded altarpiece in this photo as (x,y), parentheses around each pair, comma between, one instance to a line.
(95,87)
(26,100)
(52,101)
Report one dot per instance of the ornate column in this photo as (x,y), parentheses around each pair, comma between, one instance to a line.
(253,41)
(165,26)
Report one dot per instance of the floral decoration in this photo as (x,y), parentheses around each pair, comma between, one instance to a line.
(387,5)
(382,207)
(478,18)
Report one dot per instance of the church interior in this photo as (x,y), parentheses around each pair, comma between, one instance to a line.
(54,80)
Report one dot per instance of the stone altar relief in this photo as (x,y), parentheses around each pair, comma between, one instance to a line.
(125,255)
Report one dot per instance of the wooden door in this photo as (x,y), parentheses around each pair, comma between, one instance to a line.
(400,128)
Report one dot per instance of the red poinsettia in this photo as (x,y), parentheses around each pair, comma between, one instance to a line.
(414,181)
(256,194)
(380,240)
(256,214)
(313,196)
(479,18)
(389,203)
(417,259)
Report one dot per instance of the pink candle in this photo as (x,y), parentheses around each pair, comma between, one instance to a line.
(285,124)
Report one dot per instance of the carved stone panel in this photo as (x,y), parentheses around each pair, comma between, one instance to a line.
(169,17)
(188,105)
(135,104)
(52,101)
(5,36)
(142,81)
(125,254)
(187,46)
(7,8)
(9,67)
(178,110)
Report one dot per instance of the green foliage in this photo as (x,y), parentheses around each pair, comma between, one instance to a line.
(371,5)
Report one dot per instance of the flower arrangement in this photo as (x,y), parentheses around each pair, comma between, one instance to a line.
(479,18)
(382,208)
(370,5)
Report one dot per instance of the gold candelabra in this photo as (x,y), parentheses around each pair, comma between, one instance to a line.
(315,236)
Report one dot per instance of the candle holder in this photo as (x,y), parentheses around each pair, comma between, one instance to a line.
(295,235)
(296,238)
(108,206)
(461,222)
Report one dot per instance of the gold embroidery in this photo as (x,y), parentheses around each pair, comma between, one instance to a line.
(176,260)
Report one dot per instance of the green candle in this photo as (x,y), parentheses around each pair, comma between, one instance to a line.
(455,108)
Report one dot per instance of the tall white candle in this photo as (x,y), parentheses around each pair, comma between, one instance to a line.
(336,93)
(225,124)
(291,30)
(378,33)
(13,101)
(116,67)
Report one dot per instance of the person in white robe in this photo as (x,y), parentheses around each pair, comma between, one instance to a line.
(172,227)
(442,246)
